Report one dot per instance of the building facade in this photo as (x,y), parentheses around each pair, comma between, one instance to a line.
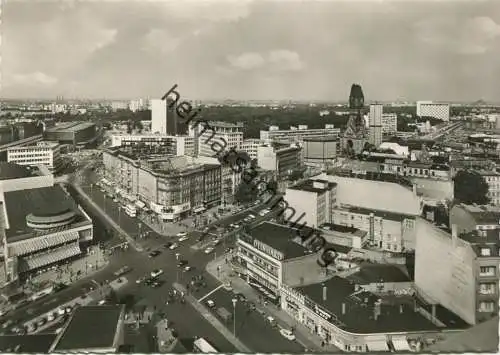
(297,134)
(169,145)
(389,123)
(282,160)
(159,116)
(375,124)
(43,153)
(492,178)
(250,146)
(437,110)
(320,151)
(175,185)
(221,135)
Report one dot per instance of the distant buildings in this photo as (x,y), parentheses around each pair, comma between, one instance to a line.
(297,134)
(375,119)
(441,111)
(389,123)
(171,186)
(215,136)
(42,153)
(492,178)
(168,145)
(119,105)
(41,224)
(459,271)
(250,146)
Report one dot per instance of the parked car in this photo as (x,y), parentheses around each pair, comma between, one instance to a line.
(122,271)
(167,245)
(156,273)
(181,239)
(188,268)
(181,234)
(211,303)
(287,334)
(181,263)
(209,250)
(174,246)
(154,253)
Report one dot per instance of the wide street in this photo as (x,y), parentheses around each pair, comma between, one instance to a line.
(252,328)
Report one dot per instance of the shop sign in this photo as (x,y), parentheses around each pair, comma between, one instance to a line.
(321,313)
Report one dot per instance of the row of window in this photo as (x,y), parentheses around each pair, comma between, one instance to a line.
(486,306)
(487,288)
(487,271)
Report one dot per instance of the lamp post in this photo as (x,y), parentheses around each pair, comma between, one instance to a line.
(234,315)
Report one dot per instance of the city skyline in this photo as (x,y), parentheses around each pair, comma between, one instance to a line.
(252,50)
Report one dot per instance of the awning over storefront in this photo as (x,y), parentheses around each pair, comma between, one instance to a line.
(44,242)
(378,345)
(140,204)
(50,257)
(400,344)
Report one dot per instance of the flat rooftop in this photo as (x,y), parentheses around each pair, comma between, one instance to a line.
(10,171)
(316,186)
(29,343)
(332,227)
(360,309)
(90,327)
(323,138)
(45,201)
(70,126)
(278,237)
(392,216)
(380,273)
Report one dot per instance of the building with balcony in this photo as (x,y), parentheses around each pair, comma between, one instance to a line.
(42,153)
(41,226)
(173,185)
(458,271)
(297,134)
(156,144)
(441,111)
(313,200)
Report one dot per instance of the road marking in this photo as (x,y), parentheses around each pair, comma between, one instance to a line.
(208,294)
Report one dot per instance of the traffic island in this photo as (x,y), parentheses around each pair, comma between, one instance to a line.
(217,324)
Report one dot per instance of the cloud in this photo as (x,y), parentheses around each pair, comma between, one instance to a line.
(31,79)
(275,60)
(160,40)
(475,35)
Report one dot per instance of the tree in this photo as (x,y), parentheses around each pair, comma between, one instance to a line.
(245,193)
(470,187)
(112,297)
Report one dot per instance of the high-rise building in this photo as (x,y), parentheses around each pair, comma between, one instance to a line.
(376,111)
(159,116)
(441,111)
(355,136)
(175,125)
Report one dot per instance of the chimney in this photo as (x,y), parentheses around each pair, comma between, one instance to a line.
(324,292)
(343,308)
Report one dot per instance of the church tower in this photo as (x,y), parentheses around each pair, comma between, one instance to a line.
(355,136)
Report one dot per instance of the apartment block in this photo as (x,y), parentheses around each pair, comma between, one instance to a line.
(169,145)
(297,134)
(250,146)
(375,124)
(389,123)
(437,110)
(159,116)
(281,159)
(492,178)
(320,151)
(214,136)
(42,153)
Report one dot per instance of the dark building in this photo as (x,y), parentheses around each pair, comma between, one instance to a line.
(23,130)
(355,136)
(175,125)
(72,133)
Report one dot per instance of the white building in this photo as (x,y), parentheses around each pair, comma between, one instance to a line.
(389,123)
(297,134)
(375,128)
(250,146)
(175,145)
(136,105)
(43,153)
(281,160)
(215,136)
(119,105)
(437,110)
(159,116)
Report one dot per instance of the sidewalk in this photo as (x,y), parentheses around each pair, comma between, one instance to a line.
(130,240)
(304,336)
(165,338)
(212,319)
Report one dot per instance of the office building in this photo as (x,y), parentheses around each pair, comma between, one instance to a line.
(216,136)
(320,151)
(42,153)
(272,254)
(41,224)
(279,158)
(375,124)
(168,145)
(389,123)
(441,111)
(458,271)
(250,146)
(159,116)
(176,125)
(119,105)
(171,186)
(313,200)
(75,133)
(297,134)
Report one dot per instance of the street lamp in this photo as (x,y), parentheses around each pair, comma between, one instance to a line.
(234,315)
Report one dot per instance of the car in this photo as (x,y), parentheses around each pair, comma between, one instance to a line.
(174,246)
(156,283)
(101,302)
(181,239)
(50,318)
(211,303)
(181,234)
(251,216)
(154,253)
(287,334)
(156,273)
(209,250)
(122,271)
(188,268)
(41,321)
(181,263)
(61,311)
(69,309)
(236,226)
(141,280)
(216,242)
(167,245)
(240,297)
(227,286)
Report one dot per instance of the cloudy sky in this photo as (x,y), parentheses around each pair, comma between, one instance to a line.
(239,49)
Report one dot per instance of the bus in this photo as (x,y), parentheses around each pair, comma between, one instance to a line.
(130,210)
(202,346)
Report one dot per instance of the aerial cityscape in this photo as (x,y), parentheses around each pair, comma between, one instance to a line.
(250,176)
